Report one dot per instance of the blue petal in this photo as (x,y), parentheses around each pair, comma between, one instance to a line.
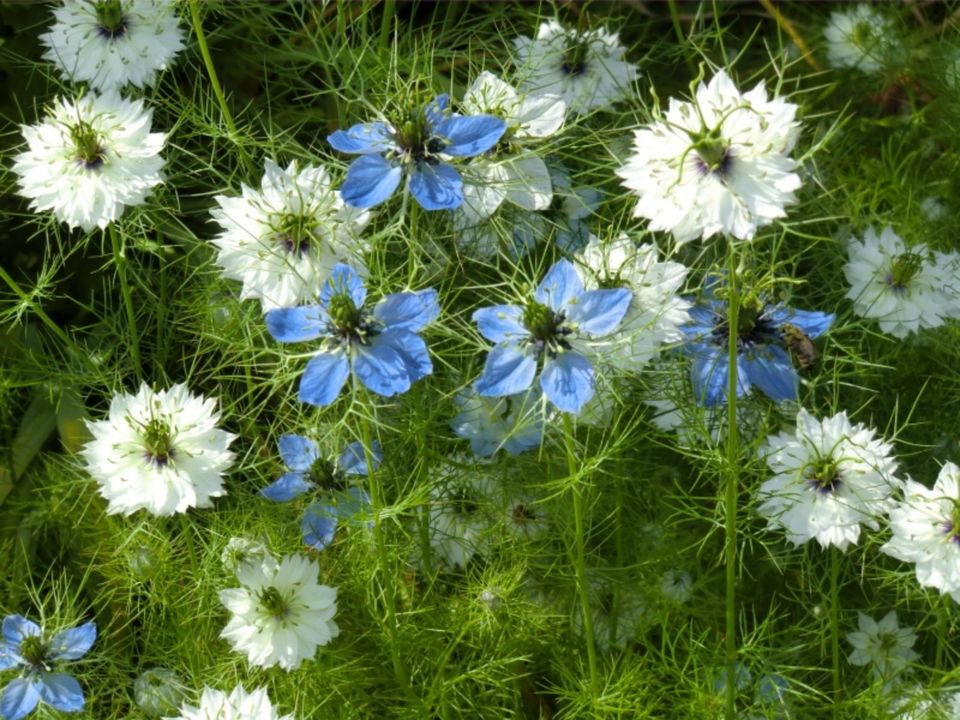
(343,280)
(297,324)
(62,692)
(412,350)
(74,643)
(436,187)
(561,285)
(811,322)
(703,320)
(364,138)
(437,110)
(507,371)
(469,136)
(319,524)
(771,370)
(371,179)
(352,502)
(709,376)
(17,627)
(567,381)
(323,378)
(287,487)
(298,452)
(353,460)
(9,657)
(409,310)
(381,368)
(501,322)
(599,312)
(19,699)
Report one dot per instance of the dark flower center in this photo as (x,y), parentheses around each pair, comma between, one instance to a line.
(712,153)
(546,327)
(273,603)
(523,514)
(111,21)
(904,268)
(823,474)
(951,528)
(326,476)
(294,234)
(90,153)
(463,502)
(754,328)
(417,141)
(575,59)
(158,442)
(349,322)
(36,653)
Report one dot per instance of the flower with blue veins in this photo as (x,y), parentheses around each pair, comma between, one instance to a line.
(380,345)
(553,330)
(309,470)
(417,150)
(24,647)
(767,335)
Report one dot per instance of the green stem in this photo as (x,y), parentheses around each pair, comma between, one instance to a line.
(620,548)
(413,243)
(579,559)
(733,479)
(835,625)
(678,30)
(388,10)
(120,260)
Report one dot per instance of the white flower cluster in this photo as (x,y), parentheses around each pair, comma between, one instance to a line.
(237,705)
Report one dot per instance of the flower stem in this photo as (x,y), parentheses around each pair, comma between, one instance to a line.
(579,560)
(733,479)
(835,625)
(120,260)
(388,10)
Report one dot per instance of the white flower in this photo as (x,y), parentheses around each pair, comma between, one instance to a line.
(281,614)
(283,242)
(656,312)
(514,423)
(926,531)
(238,705)
(89,159)
(459,515)
(511,171)
(719,164)
(903,289)
(677,585)
(933,209)
(157,691)
(858,37)
(829,477)
(524,517)
(586,68)
(159,451)
(241,551)
(884,644)
(114,42)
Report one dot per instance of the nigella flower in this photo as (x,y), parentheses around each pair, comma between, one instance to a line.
(552,329)
(415,149)
(109,43)
(766,337)
(514,423)
(238,704)
(380,345)
(24,647)
(310,470)
(884,645)
(89,159)
(720,164)
(859,37)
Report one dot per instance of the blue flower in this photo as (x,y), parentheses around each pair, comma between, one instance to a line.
(551,327)
(309,470)
(765,339)
(416,149)
(380,345)
(23,646)
(514,422)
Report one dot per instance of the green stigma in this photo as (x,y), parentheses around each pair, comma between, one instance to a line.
(905,267)
(110,17)
(86,142)
(273,603)
(158,441)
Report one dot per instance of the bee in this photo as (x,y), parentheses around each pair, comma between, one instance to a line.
(799,343)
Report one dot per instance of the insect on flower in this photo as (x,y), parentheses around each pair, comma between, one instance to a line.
(800,345)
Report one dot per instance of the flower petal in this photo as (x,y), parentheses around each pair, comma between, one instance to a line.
(528,183)
(507,371)
(298,452)
(343,280)
(287,487)
(771,370)
(371,179)
(436,187)
(567,381)
(708,373)
(352,502)
(19,699)
(319,525)
(409,310)
(364,138)
(541,115)
(353,460)
(599,312)
(469,136)
(501,322)
(323,378)
(437,110)
(17,627)
(811,322)
(381,368)
(74,643)
(61,691)
(297,324)
(560,286)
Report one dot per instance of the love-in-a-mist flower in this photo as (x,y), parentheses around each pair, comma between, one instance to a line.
(512,170)
(237,705)
(656,312)
(720,164)
(417,149)
(283,241)
(587,68)
(884,645)
(89,159)
(903,289)
(859,37)
(829,478)
(110,43)
(25,648)
(766,337)
(379,344)
(553,331)
(160,451)
(514,423)
(310,470)
(926,531)
(281,614)
(460,512)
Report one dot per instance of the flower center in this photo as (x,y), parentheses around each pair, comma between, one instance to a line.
(273,603)
(463,502)
(904,268)
(523,514)
(158,442)
(295,234)
(713,155)
(823,474)
(546,328)
(325,475)
(417,141)
(951,528)
(753,328)
(86,143)
(575,59)
(111,22)
(862,34)
(35,652)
